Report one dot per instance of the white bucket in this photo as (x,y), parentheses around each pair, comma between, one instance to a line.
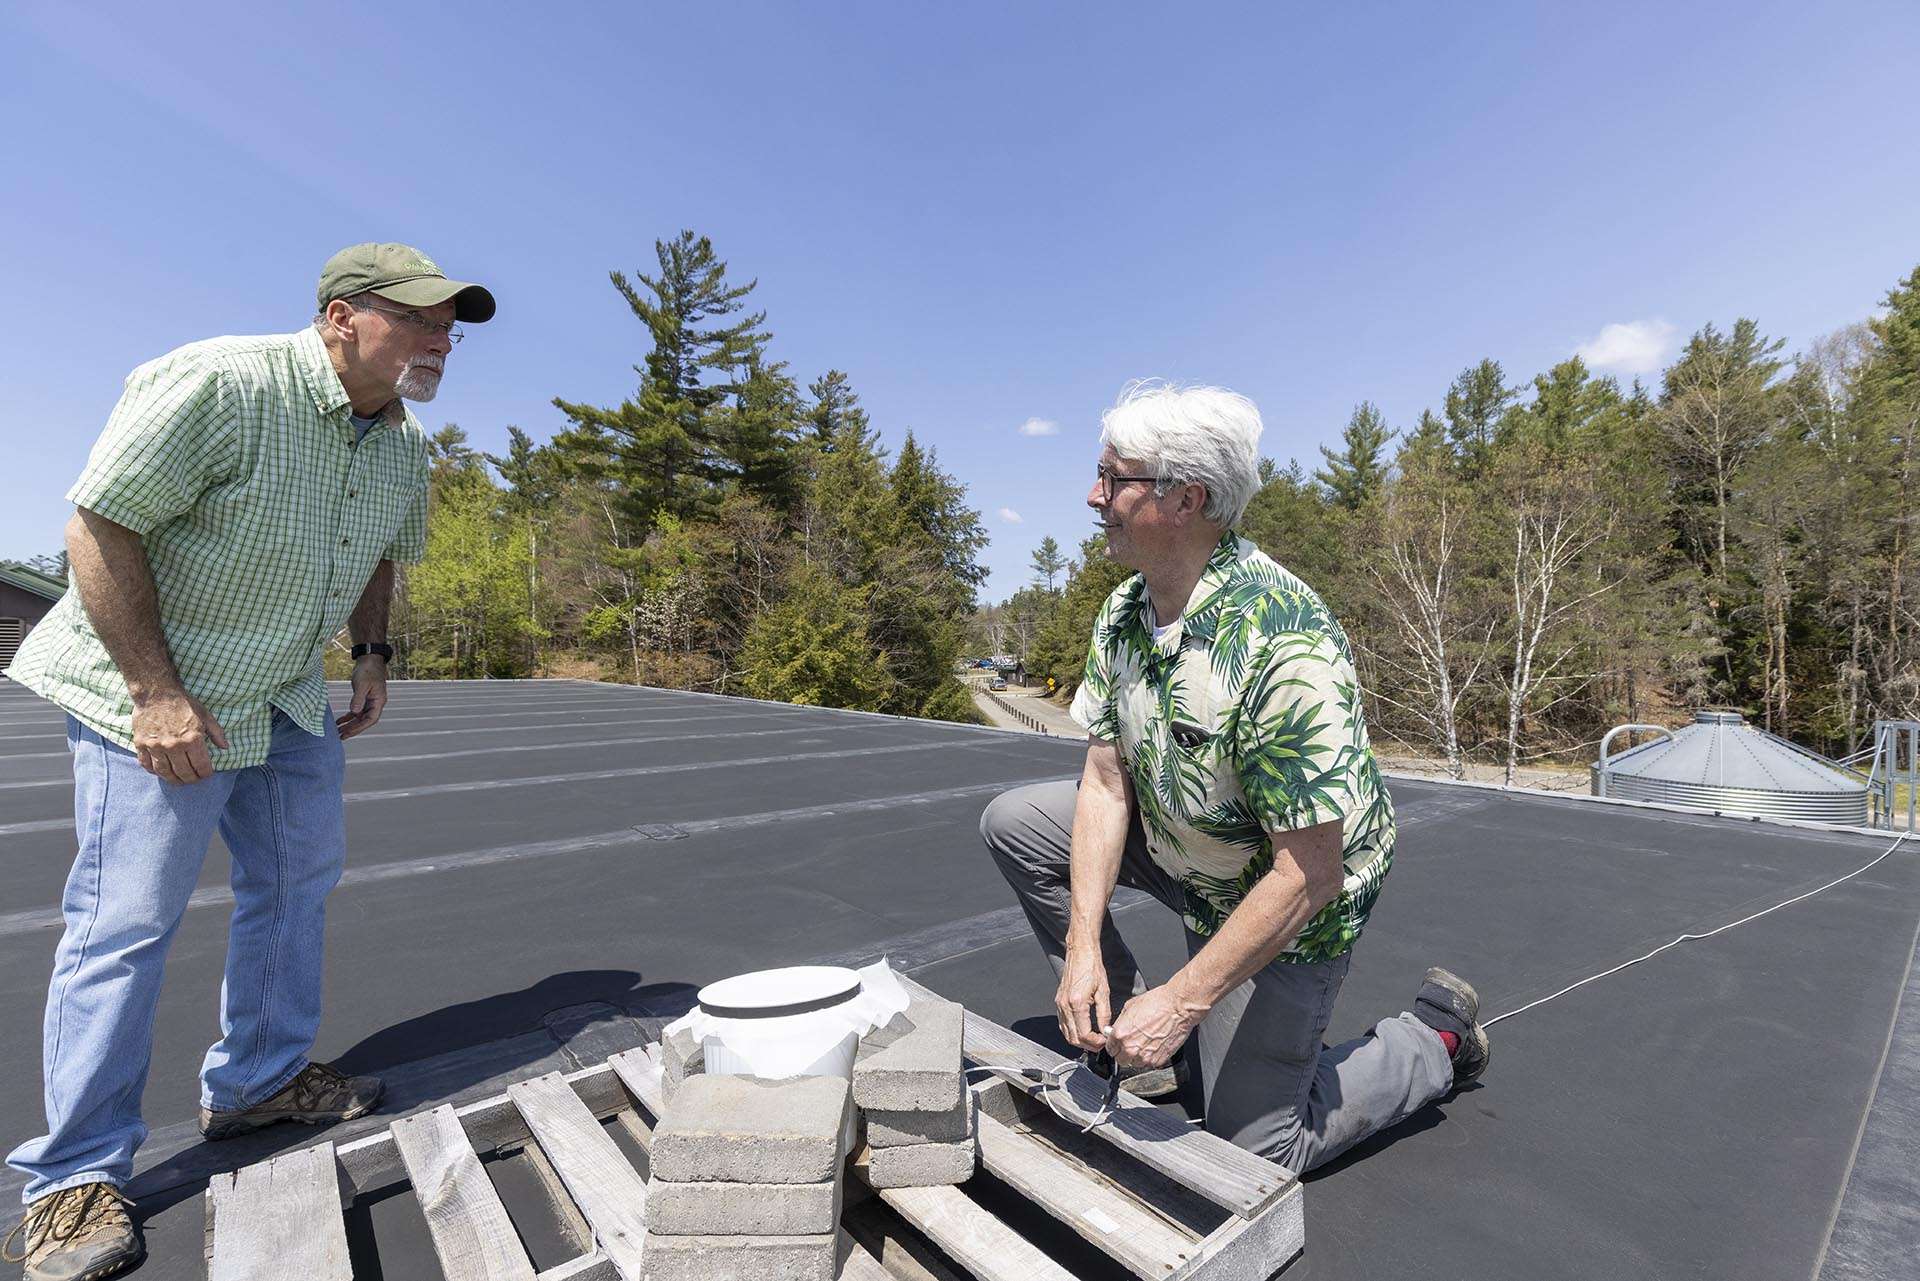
(773,1012)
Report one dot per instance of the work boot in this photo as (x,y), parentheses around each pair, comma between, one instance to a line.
(77,1234)
(1151,1083)
(320,1095)
(1447,1003)
(1158,1083)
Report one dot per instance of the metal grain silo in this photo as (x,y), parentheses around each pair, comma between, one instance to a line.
(1722,763)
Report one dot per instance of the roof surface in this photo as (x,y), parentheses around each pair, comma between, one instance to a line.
(1721,750)
(540,868)
(32,580)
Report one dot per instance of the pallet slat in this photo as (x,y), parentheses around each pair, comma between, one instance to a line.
(472,1234)
(280,1218)
(1251,1249)
(609,1191)
(855,1264)
(978,1241)
(372,1163)
(639,1070)
(1114,1222)
(1228,1176)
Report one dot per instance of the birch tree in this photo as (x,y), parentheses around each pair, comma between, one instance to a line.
(1423,570)
(1551,518)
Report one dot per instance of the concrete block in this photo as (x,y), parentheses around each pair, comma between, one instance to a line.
(738,1258)
(903,1129)
(681,1057)
(922,1165)
(741,1129)
(742,1209)
(916,1070)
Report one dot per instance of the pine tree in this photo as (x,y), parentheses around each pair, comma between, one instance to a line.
(759,434)
(1716,408)
(812,647)
(1474,406)
(663,446)
(1566,407)
(836,409)
(1048,563)
(1354,474)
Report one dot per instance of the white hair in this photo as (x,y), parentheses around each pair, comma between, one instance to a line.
(1190,435)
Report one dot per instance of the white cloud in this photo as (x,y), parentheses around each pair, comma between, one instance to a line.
(1039,427)
(1011,516)
(1637,347)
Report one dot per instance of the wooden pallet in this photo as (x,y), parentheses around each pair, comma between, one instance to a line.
(1162,1199)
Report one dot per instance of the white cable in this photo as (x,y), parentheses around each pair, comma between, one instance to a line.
(1053,1078)
(1688,938)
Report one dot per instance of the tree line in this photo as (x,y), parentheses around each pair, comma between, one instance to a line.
(721,529)
(1537,562)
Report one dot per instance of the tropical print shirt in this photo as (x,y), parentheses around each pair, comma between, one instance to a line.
(262,517)
(1243,718)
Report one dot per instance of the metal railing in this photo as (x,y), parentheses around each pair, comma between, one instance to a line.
(1027,721)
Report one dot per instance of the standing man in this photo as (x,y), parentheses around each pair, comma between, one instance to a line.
(248,497)
(1229,775)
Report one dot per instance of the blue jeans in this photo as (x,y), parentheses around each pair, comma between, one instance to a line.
(142,842)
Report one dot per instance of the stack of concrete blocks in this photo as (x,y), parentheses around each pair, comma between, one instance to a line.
(746,1179)
(922,1126)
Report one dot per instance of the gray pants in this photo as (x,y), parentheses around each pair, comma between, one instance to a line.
(1270,1085)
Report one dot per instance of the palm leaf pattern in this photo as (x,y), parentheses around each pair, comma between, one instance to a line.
(1263,666)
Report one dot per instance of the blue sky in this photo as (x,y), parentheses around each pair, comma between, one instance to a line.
(989,215)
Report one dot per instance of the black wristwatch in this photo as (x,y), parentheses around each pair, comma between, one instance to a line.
(373,647)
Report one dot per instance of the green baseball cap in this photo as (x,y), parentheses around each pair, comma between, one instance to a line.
(403,274)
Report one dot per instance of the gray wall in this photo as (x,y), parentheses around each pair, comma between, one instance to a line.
(23,605)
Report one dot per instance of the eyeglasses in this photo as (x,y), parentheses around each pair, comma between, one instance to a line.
(1107,480)
(414,319)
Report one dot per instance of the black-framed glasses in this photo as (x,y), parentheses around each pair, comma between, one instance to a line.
(415,319)
(1107,480)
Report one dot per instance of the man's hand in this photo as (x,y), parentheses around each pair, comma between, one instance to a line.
(1153,1027)
(170,736)
(1082,1000)
(369,697)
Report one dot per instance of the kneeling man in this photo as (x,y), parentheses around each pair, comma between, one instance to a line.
(1229,775)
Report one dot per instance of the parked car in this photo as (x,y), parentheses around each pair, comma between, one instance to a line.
(997,683)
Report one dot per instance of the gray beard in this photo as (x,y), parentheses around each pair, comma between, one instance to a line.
(418,384)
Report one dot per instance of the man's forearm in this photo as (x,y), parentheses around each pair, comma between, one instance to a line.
(1100,819)
(368,622)
(115,582)
(1268,919)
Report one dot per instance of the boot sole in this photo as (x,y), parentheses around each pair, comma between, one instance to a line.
(1483,1047)
(105,1270)
(1453,982)
(247,1124)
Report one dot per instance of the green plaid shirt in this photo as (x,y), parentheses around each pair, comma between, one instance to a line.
(234,460)
(1243,719)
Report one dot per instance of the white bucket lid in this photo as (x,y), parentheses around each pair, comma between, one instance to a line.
(769,994)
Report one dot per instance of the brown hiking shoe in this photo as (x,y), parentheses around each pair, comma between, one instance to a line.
(76,1234)
(320,1095)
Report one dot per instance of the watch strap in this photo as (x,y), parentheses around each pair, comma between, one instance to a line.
(373,647)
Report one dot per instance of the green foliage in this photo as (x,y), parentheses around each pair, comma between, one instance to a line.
(465,608)
(670,446)
(1063,624)
(1048,563)
(951,701)
(812,647)
(1475,405)
(1354,475)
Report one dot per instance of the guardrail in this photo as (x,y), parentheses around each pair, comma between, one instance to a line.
(1030,722)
